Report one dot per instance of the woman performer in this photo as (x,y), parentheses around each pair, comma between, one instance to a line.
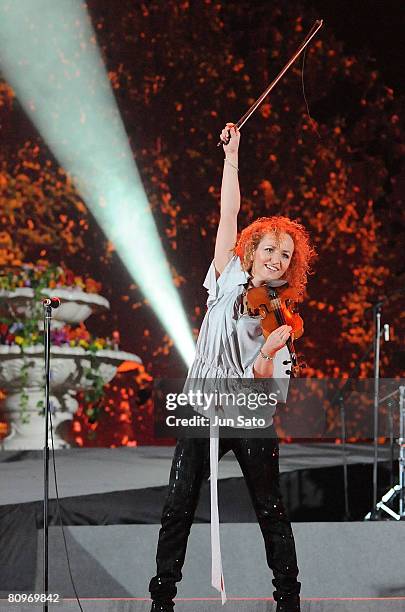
(272,250)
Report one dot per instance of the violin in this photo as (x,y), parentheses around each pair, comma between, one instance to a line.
(276,307)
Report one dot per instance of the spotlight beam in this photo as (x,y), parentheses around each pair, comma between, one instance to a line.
(49,55)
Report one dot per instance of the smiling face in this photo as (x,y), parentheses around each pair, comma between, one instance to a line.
(272,258)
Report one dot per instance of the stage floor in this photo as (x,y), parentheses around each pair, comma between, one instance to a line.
(111,504)
(354,567)
(131,605)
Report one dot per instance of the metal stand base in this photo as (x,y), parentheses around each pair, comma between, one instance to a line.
(383,511)
(394,499)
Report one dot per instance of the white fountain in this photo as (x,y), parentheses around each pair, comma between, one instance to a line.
(22,372)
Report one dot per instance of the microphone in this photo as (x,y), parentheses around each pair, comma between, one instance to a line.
(53,302)
(386,331)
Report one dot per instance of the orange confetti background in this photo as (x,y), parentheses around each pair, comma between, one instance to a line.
(179,71)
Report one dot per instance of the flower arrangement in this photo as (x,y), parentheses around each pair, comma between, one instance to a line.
(25,332)
(42,275)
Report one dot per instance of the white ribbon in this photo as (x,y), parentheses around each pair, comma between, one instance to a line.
(217,577)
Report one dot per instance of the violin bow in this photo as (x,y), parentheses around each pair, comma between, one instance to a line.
(317,26)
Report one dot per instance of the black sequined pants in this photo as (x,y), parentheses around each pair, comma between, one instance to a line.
(258,459)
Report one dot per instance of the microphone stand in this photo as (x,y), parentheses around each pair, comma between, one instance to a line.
(377,342)
(339,399)
(377,309)
(396,491)
(48,304)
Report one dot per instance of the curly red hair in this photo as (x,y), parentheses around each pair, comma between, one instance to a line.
(302,256)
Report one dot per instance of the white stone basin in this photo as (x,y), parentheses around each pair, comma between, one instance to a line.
(76,305)
(68,376)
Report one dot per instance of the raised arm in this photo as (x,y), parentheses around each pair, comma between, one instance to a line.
(230,201)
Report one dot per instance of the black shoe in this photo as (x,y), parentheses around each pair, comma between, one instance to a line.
(288,603)
(162,607)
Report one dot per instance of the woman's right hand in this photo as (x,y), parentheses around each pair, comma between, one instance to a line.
(276,340)
(232,147)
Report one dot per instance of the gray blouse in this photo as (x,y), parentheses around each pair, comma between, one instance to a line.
(230,340)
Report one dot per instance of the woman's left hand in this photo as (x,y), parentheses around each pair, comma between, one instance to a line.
(276,340)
